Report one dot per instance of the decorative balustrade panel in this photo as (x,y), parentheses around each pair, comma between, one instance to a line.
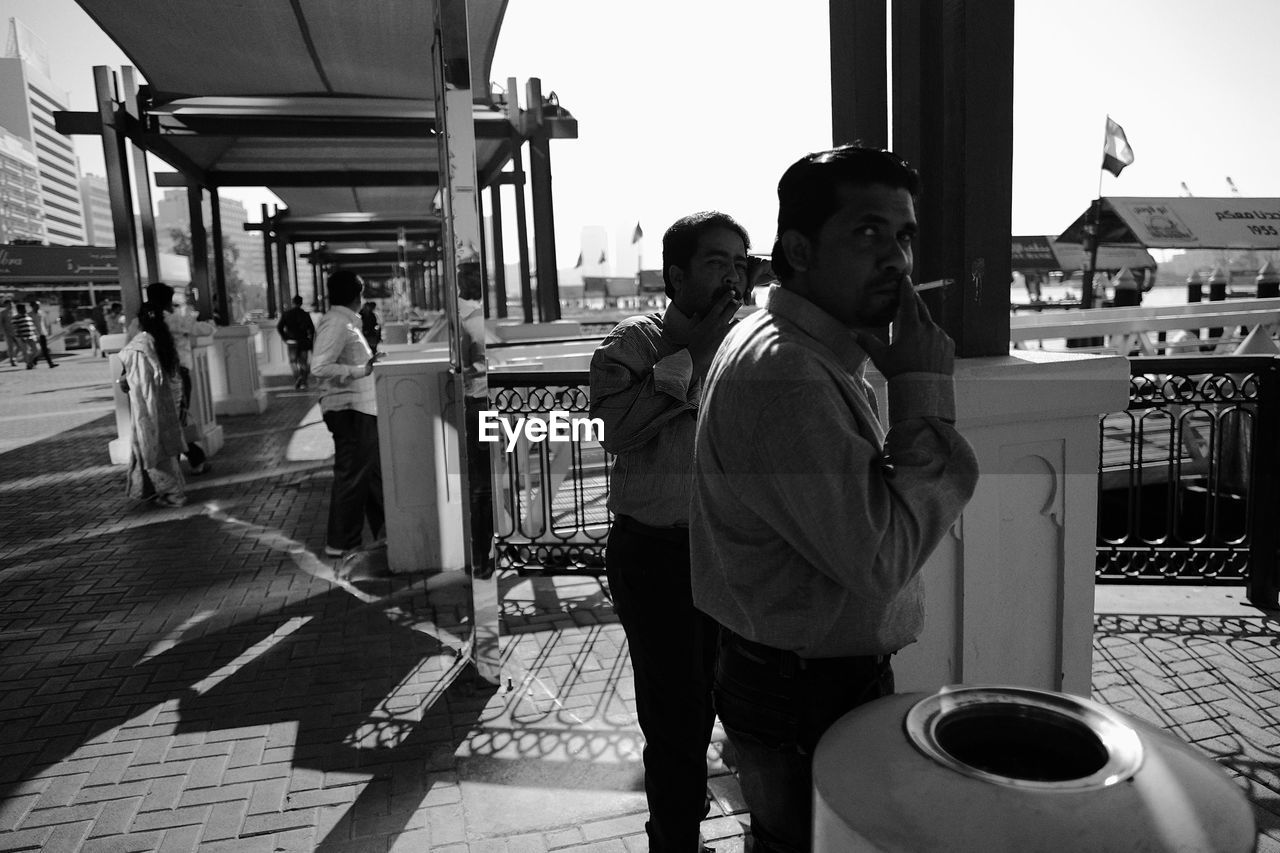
(1187,474)
(549,495)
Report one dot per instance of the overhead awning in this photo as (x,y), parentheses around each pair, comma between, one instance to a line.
(344,48)
(1185,223)
(1039,253)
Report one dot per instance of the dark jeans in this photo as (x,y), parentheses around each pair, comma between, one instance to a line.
(672,648)
(357,478)
(195,453)
(480,480)
(44,348)
(774,708)
(299,361)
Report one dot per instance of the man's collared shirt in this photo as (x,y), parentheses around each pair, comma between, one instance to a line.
(644,391)
(339,360)
(809,524)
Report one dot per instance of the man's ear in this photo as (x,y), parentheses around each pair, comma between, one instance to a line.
(676,276)
(797,249)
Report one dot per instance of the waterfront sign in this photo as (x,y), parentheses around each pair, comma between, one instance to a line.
(53,264)
(1186,223)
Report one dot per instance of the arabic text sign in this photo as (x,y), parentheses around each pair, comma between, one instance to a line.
(57,263)
(1205,223)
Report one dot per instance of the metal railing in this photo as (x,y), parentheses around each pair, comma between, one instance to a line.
(1187,488)
(549,496)
(1189,483)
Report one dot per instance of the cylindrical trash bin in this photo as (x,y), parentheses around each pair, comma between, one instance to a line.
(997,769)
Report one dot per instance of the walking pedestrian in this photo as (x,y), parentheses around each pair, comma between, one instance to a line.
(343,361)
(11,345)
(299,335)
(42,332)
(150,362)
(24,329)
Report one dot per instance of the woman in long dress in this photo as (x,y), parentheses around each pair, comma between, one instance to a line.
(150,372)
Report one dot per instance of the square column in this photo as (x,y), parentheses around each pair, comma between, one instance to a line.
(234,381)
(1009,592)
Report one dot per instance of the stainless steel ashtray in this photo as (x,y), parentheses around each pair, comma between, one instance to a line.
(1025,738)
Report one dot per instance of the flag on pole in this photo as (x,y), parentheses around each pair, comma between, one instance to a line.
(637,235)
(602,258)
(1116,153)
(579,263)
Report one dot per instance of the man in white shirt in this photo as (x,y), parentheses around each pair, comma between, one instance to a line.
(343,362)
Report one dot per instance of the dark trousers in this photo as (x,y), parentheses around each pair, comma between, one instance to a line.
(480,483)
(672,647)
(195,453)
(357,478)
(44,348)
(774,708)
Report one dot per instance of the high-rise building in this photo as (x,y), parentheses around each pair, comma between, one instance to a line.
(21,213)
(28,100)
(96,201)
(172,213)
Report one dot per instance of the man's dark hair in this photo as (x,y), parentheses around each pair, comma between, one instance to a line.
(809,192)
(344,287)
(297,302)
(681,240)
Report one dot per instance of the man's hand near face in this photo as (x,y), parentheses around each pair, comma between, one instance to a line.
(918,344)
(709,329)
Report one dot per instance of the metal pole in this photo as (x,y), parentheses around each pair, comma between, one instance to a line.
(499,259)
(268,262)
(219,267)
(544,225)
(142,181)
(1263,586)
(200,255)
(522,232)
(116,161)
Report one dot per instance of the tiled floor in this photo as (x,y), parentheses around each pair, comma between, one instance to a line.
(198,678)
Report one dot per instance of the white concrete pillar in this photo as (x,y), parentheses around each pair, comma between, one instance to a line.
(273,354)
(421,478)
(203,428)
(1009,592)
(234,380)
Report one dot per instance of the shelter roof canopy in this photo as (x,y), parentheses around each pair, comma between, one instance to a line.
(1185,223)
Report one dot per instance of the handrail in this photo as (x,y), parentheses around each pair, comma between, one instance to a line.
(1114,321)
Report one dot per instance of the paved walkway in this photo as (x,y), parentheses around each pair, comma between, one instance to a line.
(198,678)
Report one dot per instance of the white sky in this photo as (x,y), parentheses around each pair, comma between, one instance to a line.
(685,105)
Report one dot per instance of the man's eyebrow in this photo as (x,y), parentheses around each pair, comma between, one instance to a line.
(722,253)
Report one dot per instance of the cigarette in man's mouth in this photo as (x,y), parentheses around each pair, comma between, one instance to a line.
(935,284)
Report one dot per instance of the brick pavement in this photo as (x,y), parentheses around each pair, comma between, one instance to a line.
(197,678)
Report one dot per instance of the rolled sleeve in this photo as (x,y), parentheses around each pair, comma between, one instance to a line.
(627,396)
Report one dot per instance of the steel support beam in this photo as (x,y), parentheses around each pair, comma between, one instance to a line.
(859,68)
(282,273)
(200,278)
(329,178)
(268,266)
(115,155)
(522,238)
(142,175)
(544,226)
(499,258)
(219,257)
(953,120)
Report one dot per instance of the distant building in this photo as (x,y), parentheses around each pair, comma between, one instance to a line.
(96,201)
(172,212)
(28,100)
(21,213)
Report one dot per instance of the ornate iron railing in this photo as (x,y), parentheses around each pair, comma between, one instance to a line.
(549,496)
(1187,487)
